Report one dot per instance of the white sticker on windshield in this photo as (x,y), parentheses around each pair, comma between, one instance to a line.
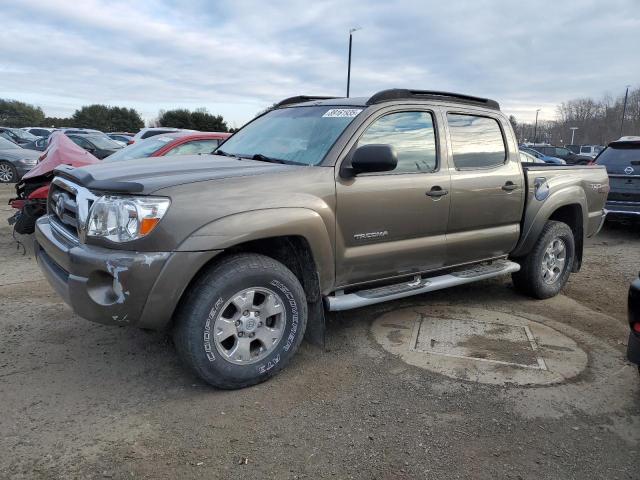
(342,112)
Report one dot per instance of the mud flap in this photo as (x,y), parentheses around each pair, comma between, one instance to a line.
(315,333)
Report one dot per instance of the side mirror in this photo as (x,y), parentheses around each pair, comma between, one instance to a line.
(373,158)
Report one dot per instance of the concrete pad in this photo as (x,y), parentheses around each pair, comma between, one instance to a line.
(480,345)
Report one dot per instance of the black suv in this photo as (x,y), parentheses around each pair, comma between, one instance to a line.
(622,161)
(563,153)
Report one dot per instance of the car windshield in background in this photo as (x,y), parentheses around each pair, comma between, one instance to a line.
(617,157)
(7,144)
(296,135)
(102,141)
(141,149)
(23,135)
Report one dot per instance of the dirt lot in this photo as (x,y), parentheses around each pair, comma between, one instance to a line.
(81,400)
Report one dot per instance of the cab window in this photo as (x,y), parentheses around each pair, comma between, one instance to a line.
(476,142)
(412,136)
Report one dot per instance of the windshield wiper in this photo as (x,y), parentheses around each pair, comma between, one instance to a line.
(264,158)
(223,153)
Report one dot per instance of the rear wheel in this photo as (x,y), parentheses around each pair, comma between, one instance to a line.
(545,270)
(8,173)
(242,321)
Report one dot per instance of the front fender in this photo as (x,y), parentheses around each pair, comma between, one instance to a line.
(235,229)
(538,213)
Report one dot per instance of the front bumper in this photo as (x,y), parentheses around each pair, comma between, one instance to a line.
(115,287)
(615,207)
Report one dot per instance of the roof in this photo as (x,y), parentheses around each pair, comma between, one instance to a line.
(192,134)
(395,94)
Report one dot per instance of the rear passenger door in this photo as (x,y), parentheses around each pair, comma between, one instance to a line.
(487,197)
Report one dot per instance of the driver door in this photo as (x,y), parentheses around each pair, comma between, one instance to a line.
(391,223)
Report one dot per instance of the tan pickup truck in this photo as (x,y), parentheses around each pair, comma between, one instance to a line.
(319,204)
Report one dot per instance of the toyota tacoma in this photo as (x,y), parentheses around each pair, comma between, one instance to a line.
(320,204)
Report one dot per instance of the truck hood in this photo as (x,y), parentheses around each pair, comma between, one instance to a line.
(147,175)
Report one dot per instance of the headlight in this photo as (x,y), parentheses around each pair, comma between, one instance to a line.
(122,219)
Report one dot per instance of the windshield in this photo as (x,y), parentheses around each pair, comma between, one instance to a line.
(297,135)
(23,135)
(5,144)
(102,141)
(140,149)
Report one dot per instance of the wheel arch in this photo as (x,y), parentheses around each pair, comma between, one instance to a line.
(568,206)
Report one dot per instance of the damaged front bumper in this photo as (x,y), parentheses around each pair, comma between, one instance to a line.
(115,287)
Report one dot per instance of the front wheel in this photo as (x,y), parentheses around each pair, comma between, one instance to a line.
(242,321)
(545,270)
(8,173)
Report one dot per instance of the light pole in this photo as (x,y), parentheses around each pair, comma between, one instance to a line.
(351,30)
(624,109)
(535,129)
(573,131)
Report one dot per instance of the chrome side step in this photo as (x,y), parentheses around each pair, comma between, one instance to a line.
(362,298)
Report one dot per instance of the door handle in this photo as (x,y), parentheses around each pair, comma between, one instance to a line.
(509,186)
(436,192)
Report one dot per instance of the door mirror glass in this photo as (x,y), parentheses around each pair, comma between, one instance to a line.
(374,158)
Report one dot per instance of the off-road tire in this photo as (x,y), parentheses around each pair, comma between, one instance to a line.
(203,302)
(10,168)
(529,280)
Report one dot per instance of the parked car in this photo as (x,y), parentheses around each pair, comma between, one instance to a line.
(591,150)
(333,203)
(79,131)
(543,157)
(39,144)
(176,143)
(152,131)
(633,346)
(573,148)
(15,161)
(32,190)
(622,161)
(526,157)
(16,135)
(563,153)
(125,138)
(99,145)
(39,131)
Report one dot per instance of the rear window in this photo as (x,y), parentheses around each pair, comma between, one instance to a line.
(617,157)
(476,141)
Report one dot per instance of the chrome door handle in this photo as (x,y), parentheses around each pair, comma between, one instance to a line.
(509,186)
(436,192)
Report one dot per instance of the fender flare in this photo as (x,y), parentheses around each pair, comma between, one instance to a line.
(535,220)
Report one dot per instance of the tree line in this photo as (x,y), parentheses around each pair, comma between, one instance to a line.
(597,121)
(108,118)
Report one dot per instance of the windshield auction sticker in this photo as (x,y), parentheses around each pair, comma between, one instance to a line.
(342,112)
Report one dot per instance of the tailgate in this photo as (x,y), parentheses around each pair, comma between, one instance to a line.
(624,188)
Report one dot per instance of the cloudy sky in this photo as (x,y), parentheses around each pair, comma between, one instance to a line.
(237,57)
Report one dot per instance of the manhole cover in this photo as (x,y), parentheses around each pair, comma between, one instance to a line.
(480,345)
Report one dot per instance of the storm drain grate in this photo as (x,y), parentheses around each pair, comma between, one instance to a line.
(477,340)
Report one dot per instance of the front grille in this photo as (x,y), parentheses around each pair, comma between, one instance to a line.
(63,208)
(624,196)
(68,207)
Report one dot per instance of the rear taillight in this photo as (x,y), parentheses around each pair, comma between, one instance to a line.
(130,142)
(636,327)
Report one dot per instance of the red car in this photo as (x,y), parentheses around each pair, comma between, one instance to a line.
(175,143)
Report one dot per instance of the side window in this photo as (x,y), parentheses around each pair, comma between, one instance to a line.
(195,147)
(476,142)
(81,142)
(562,152)
(412,136)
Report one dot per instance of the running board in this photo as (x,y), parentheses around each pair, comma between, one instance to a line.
(362,298)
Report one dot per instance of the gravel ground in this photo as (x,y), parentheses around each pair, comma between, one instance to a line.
(81,400)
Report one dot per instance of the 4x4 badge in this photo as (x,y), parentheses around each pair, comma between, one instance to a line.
(628,170)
